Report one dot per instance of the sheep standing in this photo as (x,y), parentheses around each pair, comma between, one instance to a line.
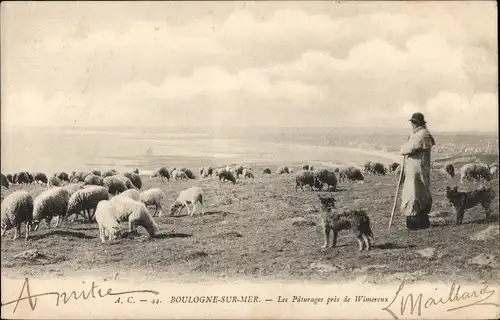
(4,181)
(63,176)
(105,218)
(207,171)
(393,166)
(50,203)
(324,176)
(305,177)
(78,176)
(153,197)
(179,175)
(114,185)
(87,199)
(134,178)
(247,173)
(53,182)
(109,173)
(40,177)
(188,173)
(350,174)
(95,172)
(93,179)
(136,213)
(476,171)
(130,193)
(191,196)
(282,170)
(16,209)
(266,171)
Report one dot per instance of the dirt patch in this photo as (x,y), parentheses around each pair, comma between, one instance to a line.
(491,232)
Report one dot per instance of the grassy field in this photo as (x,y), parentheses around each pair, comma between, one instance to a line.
(261,228)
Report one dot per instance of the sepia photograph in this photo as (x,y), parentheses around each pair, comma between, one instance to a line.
(249,160)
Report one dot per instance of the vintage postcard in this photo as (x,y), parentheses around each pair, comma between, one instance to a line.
(249,160)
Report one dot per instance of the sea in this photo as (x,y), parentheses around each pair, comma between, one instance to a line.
(53,149)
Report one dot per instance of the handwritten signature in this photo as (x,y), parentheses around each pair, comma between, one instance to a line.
(454,295)
(94,292)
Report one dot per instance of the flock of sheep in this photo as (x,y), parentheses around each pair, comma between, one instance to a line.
(110,197)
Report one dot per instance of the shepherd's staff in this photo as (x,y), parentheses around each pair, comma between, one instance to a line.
(397,190)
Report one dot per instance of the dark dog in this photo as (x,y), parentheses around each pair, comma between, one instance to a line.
(467,200)
(336,220)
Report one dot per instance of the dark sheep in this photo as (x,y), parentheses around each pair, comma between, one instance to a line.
(450,169)
(393,166)
(93,179)
(226,175)
(324,176)
(39,176)
(306,177)
(22,177)
(109,173)
(188,173)
(4,181)
(63,176)
(134,178)
(266,171)
(282,170)
(350,174)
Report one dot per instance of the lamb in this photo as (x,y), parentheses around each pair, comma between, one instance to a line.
(87,199)
(282,170)
(134,178)
(54,182)
(4,181)
(16,209)
(40,177)
(93,179)
(131,193)
(450,169)
(63,176)
(114,185)
(153,197)
(191,196)
(105,218)
(247,173)
(354,219)
(188,173)
(476,171)
(305,177)
(266,171)
(50,203)
(324,176)
(225,175)
(136,213)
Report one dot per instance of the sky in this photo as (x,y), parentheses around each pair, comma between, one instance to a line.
(250,64)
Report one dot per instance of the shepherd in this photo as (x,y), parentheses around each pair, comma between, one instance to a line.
(416,197)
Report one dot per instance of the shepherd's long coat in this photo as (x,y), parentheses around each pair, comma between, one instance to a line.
(416,197)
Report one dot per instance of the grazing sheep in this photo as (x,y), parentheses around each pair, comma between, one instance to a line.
(131,193)
(16,209)
(49,204)
(78,176)
(87,199)
(105,218)
(22,177)
(109,173)
(161,173)
(92,179)
(266,171)
(30,177)
(73,187)
(350,174)
(153,197)
(218,171)
(9,178)
(282,170)
(40,177)
(207,171)
(225,175)
(114,185)
(393,166)
(54,182)
(376,168)
(4,181)
(134,178)
(63,176)
(238,170)
(307,167)
(136,213)
(450,169)
(247,173)
(324,176)
(179,175)
(305,177)
(191,196)
(476,171)
(188,173)
(136,171)
(95,172)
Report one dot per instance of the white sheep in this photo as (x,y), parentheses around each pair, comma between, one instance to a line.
(136,213)
(16,209)
(48,204)
(105,217)
(153,197)
(191,196)
(131,193)
(86,199)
